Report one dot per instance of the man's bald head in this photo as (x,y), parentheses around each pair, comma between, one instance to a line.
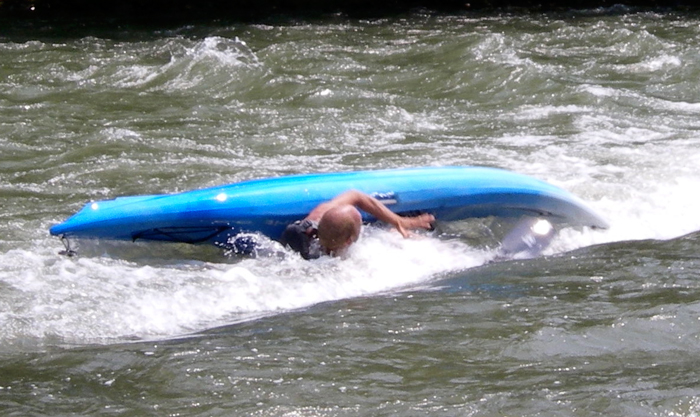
(339,227)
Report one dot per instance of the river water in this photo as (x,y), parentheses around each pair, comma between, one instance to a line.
(604,103)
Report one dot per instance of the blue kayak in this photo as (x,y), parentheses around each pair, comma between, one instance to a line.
(267,206)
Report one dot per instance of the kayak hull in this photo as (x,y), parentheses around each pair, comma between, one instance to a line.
(267,206)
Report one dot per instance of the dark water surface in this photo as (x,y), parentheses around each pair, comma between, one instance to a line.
(605,105)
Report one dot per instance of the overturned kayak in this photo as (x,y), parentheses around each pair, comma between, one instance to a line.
(213,215)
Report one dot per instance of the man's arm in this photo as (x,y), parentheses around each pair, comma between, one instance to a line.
(374,207)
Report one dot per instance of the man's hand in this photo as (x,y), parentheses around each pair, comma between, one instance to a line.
(424,221)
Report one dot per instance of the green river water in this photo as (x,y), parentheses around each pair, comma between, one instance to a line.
(603,103)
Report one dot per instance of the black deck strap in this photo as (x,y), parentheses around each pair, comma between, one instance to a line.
(172,233)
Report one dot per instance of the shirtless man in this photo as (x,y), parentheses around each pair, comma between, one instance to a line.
(333,226)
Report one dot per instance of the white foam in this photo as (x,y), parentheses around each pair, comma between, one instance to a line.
(103,300)
(210,64)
